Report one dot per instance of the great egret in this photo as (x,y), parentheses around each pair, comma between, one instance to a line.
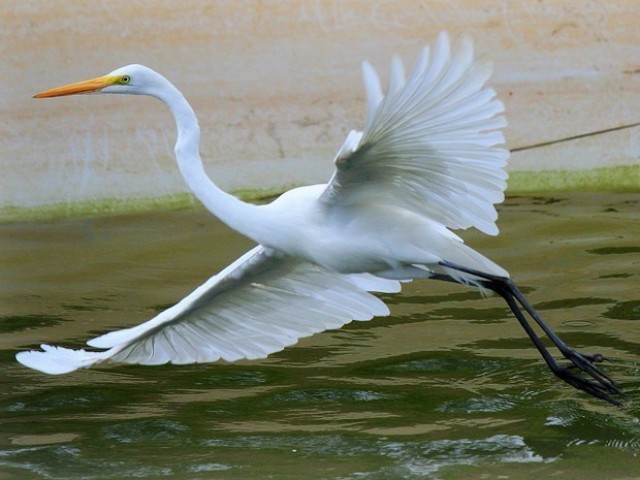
(426,162)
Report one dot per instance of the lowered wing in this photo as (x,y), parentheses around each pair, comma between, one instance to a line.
(258,305)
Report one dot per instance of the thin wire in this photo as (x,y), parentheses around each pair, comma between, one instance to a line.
(574,137)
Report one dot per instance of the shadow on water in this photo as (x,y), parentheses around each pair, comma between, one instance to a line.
(447,387)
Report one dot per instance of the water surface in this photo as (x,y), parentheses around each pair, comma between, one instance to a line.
(448,387)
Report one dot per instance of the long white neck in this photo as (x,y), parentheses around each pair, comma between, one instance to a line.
(243,217)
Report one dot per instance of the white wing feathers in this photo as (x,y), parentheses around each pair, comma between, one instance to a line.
(429,145)
(258,305)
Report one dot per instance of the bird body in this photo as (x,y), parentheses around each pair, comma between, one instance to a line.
(428,161)
(362,236)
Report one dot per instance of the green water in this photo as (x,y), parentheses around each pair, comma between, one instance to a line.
(448,387)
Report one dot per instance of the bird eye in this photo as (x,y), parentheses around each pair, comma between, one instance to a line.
(125,79)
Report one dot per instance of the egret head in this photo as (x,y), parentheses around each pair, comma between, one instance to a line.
(132,79)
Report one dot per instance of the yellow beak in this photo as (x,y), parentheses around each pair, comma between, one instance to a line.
(88,86)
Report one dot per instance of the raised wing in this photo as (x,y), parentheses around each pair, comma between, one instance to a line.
(258,305)
(429,144)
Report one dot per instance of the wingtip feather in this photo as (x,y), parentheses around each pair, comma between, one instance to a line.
(396,75)
(57,360)
(372,87)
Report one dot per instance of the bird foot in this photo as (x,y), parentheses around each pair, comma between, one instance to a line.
(583,374)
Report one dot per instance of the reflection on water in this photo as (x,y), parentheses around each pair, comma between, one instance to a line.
(448,387)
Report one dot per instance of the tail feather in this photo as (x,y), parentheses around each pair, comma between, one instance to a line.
(58,360)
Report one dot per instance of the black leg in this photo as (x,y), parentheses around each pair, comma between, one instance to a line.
(581,372)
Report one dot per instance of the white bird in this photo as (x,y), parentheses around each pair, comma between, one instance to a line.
(427,162)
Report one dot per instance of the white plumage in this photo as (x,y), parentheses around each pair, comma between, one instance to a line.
(426,161)
(429,145)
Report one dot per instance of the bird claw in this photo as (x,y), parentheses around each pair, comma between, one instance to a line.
(595,358)
(593,381)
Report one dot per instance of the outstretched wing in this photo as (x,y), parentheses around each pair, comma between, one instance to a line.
(429,144)
(258,305)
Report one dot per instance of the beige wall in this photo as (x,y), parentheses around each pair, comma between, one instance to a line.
(277,85)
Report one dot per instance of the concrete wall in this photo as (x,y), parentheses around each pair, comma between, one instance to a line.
(276,85)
